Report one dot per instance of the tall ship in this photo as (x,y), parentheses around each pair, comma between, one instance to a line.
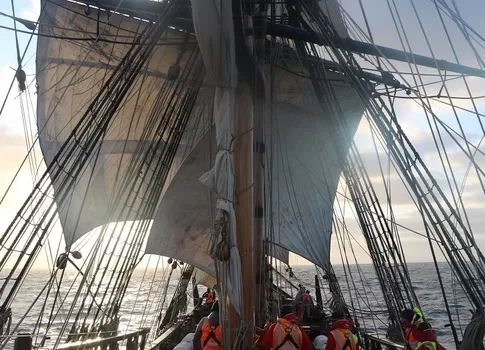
(174,146)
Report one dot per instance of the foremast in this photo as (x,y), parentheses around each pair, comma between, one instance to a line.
(247,156)
(220,30)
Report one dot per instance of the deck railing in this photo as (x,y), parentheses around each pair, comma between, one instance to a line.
(134,341)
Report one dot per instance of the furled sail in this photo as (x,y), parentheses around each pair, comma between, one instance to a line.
(214,28)
(79,50)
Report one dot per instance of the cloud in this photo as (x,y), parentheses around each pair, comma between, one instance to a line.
(14,151)
(33,11)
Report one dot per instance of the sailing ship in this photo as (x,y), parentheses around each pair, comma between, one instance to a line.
(221,134)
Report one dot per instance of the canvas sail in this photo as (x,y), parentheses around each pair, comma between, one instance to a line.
(304,151)
(183,230)
(70,73)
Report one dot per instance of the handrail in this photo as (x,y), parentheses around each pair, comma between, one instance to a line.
(92,343)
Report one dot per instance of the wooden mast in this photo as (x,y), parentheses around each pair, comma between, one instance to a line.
(259,256)
(247,183)
(244,178)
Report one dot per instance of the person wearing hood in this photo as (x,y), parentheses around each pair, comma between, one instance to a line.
(320,342)
(285,334)
(208,334)
(340,335)
(418,333)
(299,295)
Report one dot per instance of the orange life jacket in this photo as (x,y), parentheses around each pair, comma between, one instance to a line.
(210,336)
(344,339)
(408,332)
(286,335)
(210,298)
(413,343)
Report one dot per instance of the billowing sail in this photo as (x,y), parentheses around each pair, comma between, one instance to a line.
(80,50)
(182,225)
(205,279)
(71,70)
(305,157)
(304,162)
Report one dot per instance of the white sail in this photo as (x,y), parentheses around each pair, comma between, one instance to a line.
(182,225)
(70,72)
(303,166)
(305,158)
(205,279)
(277,252)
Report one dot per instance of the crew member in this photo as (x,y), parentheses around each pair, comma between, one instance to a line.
(210,297)
(341,337)
(418,333)
(320,342)
(208,334)
(285,334)
(307,303)
(299,295)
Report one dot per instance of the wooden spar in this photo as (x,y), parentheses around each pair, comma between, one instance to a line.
(286,31)
(145,9)
(244,178)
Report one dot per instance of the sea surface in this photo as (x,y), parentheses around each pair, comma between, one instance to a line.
(144,297)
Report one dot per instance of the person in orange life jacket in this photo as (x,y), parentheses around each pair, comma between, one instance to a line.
(427,340)
(285,334)
(340,336)
(208,334)
(417,332)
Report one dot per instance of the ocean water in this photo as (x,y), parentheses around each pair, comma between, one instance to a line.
(143,299)
(367,296)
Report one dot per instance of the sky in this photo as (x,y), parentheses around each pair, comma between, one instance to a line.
(430,41)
